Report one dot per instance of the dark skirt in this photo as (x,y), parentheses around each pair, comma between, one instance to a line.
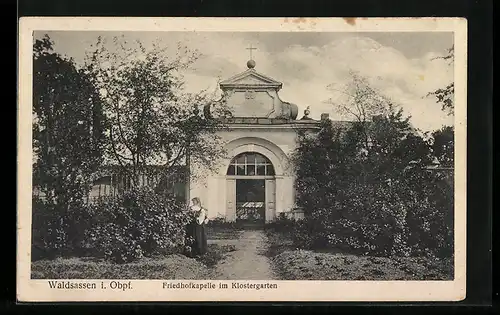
(198,237)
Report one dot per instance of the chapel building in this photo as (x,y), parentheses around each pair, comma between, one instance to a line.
(255,181)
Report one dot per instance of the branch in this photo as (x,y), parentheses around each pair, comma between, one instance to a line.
(171,163)
(124,168)
(124,140)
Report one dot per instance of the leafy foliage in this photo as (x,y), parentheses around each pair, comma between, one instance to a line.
(56,233)
(67,130)
(430,219)
(138,223)
(282,223)
(126,107)
(445,96)
(443,145)
(152,121)
(366,189)
(362,100)
(68,142)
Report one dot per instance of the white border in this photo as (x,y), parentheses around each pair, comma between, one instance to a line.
(151,290)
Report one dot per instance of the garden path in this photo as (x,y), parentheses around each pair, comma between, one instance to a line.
(248,261)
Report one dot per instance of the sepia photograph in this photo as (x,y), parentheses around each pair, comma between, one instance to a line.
(246,155)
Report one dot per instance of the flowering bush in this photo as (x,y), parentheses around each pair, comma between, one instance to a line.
(138,223)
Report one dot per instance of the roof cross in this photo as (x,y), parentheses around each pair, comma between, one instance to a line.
(250,49)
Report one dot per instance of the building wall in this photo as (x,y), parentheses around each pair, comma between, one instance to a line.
(260,103)
(277,143)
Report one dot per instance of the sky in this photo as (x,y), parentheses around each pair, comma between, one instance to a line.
(400,65)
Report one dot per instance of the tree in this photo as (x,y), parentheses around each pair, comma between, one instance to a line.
(67,129)
(445,96)
(443,145)
(317,162)
(151,120)
(68,142)
(443,139)
(380,201)
(363,102)
(367,188)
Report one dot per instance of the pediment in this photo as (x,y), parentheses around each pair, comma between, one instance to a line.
(250,78)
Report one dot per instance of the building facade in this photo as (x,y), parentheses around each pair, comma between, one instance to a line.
(255,181)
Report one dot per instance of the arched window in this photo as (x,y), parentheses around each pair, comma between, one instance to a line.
(251,164)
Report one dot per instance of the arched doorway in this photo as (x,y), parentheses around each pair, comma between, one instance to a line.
(251,188)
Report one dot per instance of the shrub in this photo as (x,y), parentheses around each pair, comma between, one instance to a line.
(57,230)
(222,222)
(48,235)
(137,223)
(372,197)
(282,223)
(215,254)
(398,219)
(430,218)
(68,146)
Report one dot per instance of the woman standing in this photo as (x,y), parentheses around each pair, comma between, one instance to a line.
(196,228)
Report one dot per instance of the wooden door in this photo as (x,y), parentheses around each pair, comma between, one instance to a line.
(231,199)
(270,199)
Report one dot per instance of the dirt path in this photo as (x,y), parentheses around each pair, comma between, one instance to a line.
(248,262)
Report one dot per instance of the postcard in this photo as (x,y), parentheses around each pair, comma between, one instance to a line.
(241,159)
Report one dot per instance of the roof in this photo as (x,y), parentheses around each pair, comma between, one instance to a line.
(250,79)
(264,121)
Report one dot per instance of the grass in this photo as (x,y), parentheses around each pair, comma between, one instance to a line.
(169,267)
(217,251)
(214,254)
(278,243)
(223,232)
(172,266)
(291,263)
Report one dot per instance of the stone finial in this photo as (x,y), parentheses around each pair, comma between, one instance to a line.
(306,114)
(325,116)
(307,111)
(251,64)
